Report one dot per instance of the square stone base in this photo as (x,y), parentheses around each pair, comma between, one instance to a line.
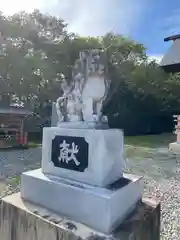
(174,147)
(100,208)
(99,158)
(21,220)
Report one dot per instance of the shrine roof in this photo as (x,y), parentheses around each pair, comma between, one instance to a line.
(172,38)
(15,110)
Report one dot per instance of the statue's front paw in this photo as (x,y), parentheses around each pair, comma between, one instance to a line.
(95,118)
(104,119)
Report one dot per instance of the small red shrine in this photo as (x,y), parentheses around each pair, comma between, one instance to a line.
(12,131)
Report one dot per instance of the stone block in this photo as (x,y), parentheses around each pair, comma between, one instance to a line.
(54,116)
(174,147)
(21,220)
(89,156)
(100,208)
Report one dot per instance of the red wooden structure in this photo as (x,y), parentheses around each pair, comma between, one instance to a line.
(12,132)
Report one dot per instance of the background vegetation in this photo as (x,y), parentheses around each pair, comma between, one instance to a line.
(36,50)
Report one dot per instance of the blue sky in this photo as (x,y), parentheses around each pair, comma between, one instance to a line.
(146,21)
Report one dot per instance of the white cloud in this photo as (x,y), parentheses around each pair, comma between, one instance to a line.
(97,17)
(157,57)
(9,7)
(85,17)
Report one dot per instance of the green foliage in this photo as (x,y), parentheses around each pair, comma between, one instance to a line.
(36,52)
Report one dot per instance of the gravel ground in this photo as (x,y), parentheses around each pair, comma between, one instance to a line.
(160,168)
(162,181)
(13,163)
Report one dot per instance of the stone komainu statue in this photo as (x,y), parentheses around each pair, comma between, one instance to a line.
(83,99)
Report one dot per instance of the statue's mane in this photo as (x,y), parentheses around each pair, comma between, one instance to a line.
(84,64)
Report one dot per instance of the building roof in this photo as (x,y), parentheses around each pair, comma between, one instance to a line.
(172,38)
(15,110)
(171,60)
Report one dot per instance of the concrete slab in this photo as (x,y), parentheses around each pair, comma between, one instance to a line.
(174,147)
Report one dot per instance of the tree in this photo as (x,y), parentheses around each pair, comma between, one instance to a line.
(36,52)
(26,70)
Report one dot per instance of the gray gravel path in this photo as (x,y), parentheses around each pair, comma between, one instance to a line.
(162,181)
(14,162)
(160,168)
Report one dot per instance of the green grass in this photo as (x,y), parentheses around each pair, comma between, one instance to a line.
(14,181)
(150,141)
(143,146)
(34,144)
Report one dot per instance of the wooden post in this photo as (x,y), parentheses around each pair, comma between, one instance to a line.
(177,127)
(22,132)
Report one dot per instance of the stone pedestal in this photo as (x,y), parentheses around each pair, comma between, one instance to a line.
(174,147)
(82,177)
(21,220)
(84,203)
